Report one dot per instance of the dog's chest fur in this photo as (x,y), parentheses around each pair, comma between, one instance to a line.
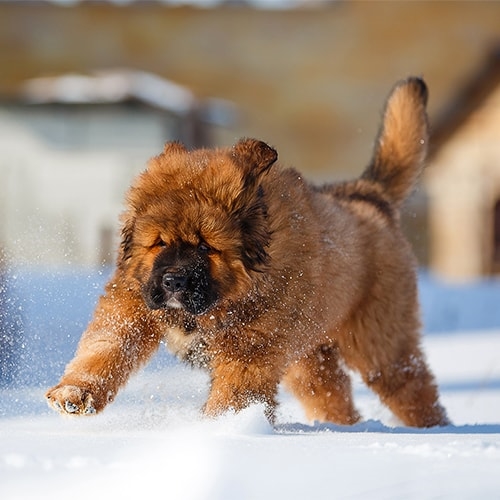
(189,346)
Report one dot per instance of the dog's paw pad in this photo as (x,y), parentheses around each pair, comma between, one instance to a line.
(69,407)
(90,410)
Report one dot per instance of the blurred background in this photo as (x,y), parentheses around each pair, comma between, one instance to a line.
(89,90)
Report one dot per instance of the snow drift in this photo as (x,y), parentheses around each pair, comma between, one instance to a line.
(152,440)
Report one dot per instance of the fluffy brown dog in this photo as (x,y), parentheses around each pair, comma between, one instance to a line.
(249,271)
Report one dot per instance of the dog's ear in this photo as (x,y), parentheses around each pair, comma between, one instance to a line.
(174,147)
(254,158)
(255,232)
(161,162)
(125,251)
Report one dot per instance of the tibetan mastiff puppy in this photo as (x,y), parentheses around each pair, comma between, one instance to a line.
(247,270)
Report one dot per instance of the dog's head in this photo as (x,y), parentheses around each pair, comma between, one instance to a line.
(196,225)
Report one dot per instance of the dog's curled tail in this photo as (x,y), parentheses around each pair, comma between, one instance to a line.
(401,144)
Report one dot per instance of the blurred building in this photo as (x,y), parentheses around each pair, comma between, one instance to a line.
(310,80)
(463,179)
(70,146)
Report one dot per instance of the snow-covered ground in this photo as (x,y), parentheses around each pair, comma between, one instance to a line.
(152,441)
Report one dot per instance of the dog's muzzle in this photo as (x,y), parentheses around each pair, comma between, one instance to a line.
(174,285)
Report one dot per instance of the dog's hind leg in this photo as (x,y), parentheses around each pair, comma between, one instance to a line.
(393,365)
(408,388)
(320,383)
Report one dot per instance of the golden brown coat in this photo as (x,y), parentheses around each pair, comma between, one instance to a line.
(249,271)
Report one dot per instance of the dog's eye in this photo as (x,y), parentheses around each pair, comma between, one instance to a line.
(160,243)
(204,248)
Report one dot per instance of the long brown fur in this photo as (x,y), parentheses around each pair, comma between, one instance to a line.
(302,283)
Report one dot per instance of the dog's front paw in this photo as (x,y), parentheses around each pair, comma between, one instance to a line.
(71,400)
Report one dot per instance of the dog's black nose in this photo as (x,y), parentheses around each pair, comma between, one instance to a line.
(174,282)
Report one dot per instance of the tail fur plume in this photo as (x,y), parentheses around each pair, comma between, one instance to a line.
(401,144)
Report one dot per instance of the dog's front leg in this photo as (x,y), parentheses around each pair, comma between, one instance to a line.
(121,337)
(237,384)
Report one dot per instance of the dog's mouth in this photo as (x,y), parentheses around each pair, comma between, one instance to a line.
(174,303)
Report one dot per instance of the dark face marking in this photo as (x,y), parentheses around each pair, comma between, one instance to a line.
(181,279)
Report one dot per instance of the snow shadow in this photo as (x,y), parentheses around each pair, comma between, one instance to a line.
(377,427)
(469,385)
